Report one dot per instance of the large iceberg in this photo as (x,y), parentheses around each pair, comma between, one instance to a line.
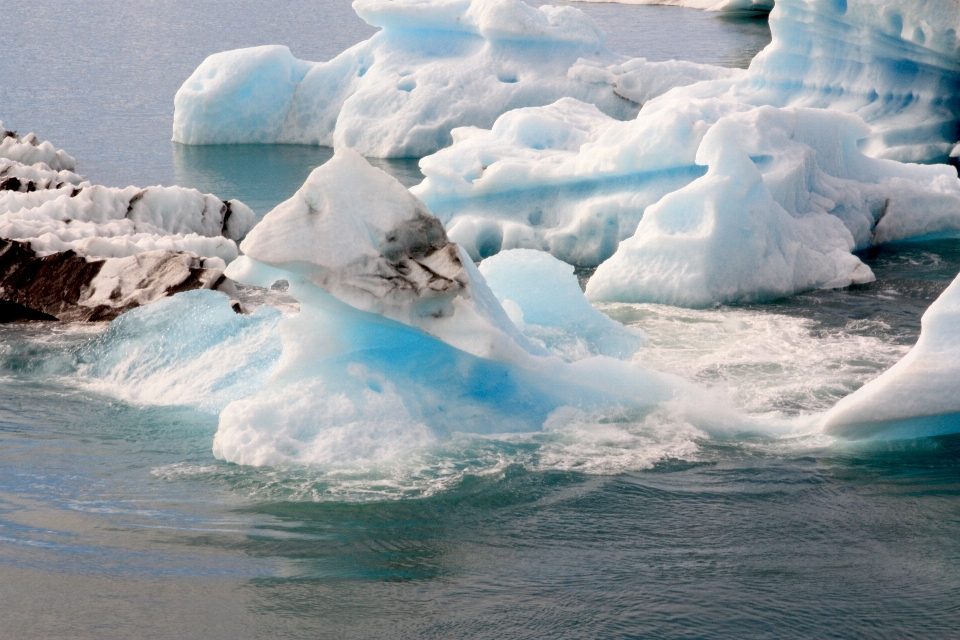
(435,65)
(920,395)
(399,340)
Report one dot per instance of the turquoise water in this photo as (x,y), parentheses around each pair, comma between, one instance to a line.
(117,521)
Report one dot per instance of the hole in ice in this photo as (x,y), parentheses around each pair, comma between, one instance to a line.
(489,241)
(919,36)
(762,162)
(361,72)
(507,78)
(536,217)
(895,21)
(407,84)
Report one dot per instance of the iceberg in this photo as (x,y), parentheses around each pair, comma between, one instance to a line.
(434,66)
(74,251)
(542,297)
(742,202)
(895,64)
(918,396)
(399,340)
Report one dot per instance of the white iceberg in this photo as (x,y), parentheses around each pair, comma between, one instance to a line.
(398,340)
(434,66)
(786,196)
(920,395)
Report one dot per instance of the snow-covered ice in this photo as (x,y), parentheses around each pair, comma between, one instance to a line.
(920,395)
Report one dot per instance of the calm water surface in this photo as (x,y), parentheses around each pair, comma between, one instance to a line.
(116,520)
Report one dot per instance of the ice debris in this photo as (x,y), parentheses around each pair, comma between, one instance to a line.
(543,298)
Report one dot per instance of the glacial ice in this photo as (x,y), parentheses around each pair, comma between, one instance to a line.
(567,179)
(920,395)
(434,66)
(895,64)
(399,340)
(189,349)
(543,298)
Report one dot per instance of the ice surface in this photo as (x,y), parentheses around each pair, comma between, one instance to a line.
(895,64)
(30,150)
(543,298)
(436,65)
(378,361)
(920,395)
(135,245)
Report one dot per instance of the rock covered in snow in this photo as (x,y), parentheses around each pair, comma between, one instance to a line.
(436,65)
(920,395)
(76,251)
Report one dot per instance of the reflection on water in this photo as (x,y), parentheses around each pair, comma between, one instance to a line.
(675,33)
(264,175)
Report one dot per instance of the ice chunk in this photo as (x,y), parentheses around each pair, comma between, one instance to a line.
(30,150)
(724,238)
(918,396)
(436,65)
(357,233)
(567,179)
(378,361)
(88,252)
(549,306)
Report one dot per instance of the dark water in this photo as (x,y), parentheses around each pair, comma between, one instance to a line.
(116,521)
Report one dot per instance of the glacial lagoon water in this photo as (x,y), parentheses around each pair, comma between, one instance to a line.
(116,520)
